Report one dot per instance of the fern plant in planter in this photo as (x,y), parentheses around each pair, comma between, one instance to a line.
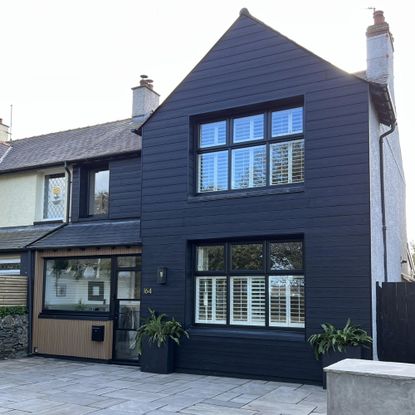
(156,340)
(333,345)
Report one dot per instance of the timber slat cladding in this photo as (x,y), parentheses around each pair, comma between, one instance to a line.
(13,291)
(70,337)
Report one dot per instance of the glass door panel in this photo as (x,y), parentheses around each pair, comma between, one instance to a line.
(127,308)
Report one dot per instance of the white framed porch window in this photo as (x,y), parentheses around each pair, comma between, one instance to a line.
(286,301)
(211,300)
(247,298)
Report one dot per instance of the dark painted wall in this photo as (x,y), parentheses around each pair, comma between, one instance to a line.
(252,64)
(125,189)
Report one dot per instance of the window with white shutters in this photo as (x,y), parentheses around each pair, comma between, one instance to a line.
(211,300)
(287,162)
(253,151)
(248,128)
(249,167)
(287,122)
(248,301)
(213,171)
(286,299)
(262,280)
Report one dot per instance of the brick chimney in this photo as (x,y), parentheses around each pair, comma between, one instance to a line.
(380,52)
(145,99)
(4,131)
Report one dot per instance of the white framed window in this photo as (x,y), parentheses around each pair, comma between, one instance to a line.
(248,128)
(286,300)
(54,196)
(10,266)
(287,162)
(213,171)
(287,122)
(249,167)
(247,301)
(211,294)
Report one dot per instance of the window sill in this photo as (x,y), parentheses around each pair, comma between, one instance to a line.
(246,193)
(248,333)
(73,316)
(48,222)
(93,218)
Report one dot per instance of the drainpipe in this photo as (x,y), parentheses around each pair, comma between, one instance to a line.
(382,197)
(68,192)
(30,302)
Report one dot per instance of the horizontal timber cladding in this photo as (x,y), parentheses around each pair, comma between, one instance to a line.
(64,337)
(13,290)
(252,65)
(124,189)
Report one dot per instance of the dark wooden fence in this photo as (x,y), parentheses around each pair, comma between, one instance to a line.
(396,321)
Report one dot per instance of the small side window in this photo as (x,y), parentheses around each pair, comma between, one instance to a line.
(99,181)
(54,197)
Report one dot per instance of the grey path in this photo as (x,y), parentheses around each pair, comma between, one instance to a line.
(60,387)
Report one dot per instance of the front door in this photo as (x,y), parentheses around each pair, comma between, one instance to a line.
(127,308)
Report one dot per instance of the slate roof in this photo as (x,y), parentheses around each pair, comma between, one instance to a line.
(82,143)
(15,238)
(88,234)
(3,149)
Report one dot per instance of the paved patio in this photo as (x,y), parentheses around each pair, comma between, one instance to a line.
(60,387)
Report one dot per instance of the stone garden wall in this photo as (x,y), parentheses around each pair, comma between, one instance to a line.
(13,336)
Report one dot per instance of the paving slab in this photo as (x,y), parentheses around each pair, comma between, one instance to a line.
(49,386)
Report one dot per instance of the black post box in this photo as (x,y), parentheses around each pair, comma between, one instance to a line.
(97,333)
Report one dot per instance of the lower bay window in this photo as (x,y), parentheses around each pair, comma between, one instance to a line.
(250,284)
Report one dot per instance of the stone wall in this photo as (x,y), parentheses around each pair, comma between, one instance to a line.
(13,336)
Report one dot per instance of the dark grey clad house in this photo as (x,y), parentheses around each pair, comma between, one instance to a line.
(268,185)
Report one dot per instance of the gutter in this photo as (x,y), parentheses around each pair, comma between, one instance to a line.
(382,197)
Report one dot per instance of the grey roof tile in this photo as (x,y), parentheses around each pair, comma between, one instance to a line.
(88,142)
(19,237)
(87,234)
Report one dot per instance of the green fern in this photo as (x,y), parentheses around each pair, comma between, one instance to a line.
(157,329)
(338,339)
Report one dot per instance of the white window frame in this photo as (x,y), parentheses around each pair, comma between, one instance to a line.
(197,305)
(10,260)
(249,321)
(288,322)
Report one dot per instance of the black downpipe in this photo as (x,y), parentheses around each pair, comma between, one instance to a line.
(30,268)
(382,197)
(68,193)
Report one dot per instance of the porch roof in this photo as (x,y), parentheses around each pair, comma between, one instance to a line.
(89,234)
(19,237)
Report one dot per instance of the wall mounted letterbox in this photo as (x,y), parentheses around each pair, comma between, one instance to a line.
(97,333)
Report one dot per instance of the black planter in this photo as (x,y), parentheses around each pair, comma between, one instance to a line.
(156,359)
(352,352)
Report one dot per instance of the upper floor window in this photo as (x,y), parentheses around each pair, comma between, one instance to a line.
(250,284)
(98,192)
(54,196)
(254,151)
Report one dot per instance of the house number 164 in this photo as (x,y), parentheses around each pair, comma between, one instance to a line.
(148,290)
